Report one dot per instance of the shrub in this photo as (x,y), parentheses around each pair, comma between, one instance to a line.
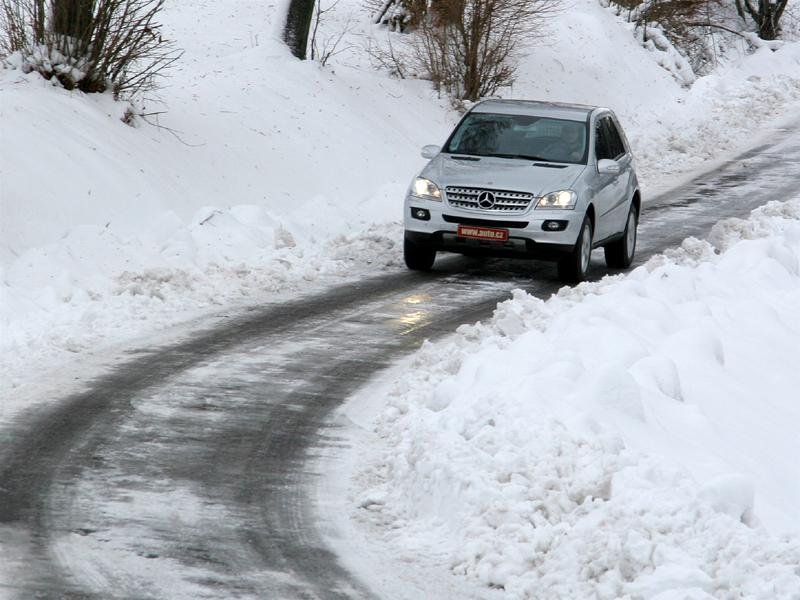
(89,45)
(467,48)
(691,35)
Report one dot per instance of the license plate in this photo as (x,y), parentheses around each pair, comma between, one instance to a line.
(483,233)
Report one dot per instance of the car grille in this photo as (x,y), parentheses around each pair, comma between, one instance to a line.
(504,201)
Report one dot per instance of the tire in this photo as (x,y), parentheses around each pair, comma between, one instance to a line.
(573,268)
(417,257)
(619,253)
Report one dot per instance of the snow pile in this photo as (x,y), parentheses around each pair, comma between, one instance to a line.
(630,438)
(98,285)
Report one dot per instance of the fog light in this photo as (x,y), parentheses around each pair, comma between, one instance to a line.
(421,213)
(554,225)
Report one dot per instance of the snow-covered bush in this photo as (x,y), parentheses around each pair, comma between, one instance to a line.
(688,37)
(90,45)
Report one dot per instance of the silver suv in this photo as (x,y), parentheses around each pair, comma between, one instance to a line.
(527,179)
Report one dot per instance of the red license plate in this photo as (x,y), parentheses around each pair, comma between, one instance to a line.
(483,233)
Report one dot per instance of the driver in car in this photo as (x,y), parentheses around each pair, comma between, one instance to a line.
(569,148)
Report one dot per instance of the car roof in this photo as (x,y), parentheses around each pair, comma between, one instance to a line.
(536,108)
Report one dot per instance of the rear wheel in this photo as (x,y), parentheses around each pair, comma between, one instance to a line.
(573,268)
(418,257)
(619,254)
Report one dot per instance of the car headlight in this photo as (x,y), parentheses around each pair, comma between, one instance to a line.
(424,188)
(560,199)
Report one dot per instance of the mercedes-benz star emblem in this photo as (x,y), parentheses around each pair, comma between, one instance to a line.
(486,200)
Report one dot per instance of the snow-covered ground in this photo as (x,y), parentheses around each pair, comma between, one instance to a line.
(272,176)
(631,438)
(639,439)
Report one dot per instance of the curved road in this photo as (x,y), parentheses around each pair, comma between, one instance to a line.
(185,473)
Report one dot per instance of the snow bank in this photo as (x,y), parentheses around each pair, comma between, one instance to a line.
(630,438)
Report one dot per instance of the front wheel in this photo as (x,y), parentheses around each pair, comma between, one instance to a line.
(573,268)
(417,257)
(619,254)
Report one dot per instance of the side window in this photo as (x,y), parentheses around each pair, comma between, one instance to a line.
(602,148)
(614,139)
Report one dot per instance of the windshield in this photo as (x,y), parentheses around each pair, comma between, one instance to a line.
(520,136)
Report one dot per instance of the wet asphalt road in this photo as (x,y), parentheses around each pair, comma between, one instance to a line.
(184,473)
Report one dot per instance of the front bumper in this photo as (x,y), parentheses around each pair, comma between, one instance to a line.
(526,236)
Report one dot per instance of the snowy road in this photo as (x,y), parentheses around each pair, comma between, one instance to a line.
(185,473)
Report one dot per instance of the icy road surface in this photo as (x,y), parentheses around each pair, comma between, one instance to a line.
(187,472)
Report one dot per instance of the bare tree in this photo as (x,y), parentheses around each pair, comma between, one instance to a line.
(323,48)
(469,48)
(766,15)
(90,45)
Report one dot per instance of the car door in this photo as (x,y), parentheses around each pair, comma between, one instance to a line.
(603,186)
(621,185)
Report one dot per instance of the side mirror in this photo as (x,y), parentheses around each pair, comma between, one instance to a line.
(430,151)
(607,166)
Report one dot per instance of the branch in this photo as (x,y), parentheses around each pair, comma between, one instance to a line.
(716,26)
(753,12)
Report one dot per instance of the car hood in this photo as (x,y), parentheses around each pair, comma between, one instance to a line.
(502,174)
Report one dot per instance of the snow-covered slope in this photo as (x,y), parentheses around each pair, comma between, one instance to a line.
(273,173)
(270,174)
(591,57)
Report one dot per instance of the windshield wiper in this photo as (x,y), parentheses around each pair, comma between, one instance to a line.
(498,155)
(520,156)
(461,154)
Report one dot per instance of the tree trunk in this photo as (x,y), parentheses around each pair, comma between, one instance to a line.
(298,23)
(740,10)
(72,18)
(768,24)
(472,49)
(39,21)
(767,17)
